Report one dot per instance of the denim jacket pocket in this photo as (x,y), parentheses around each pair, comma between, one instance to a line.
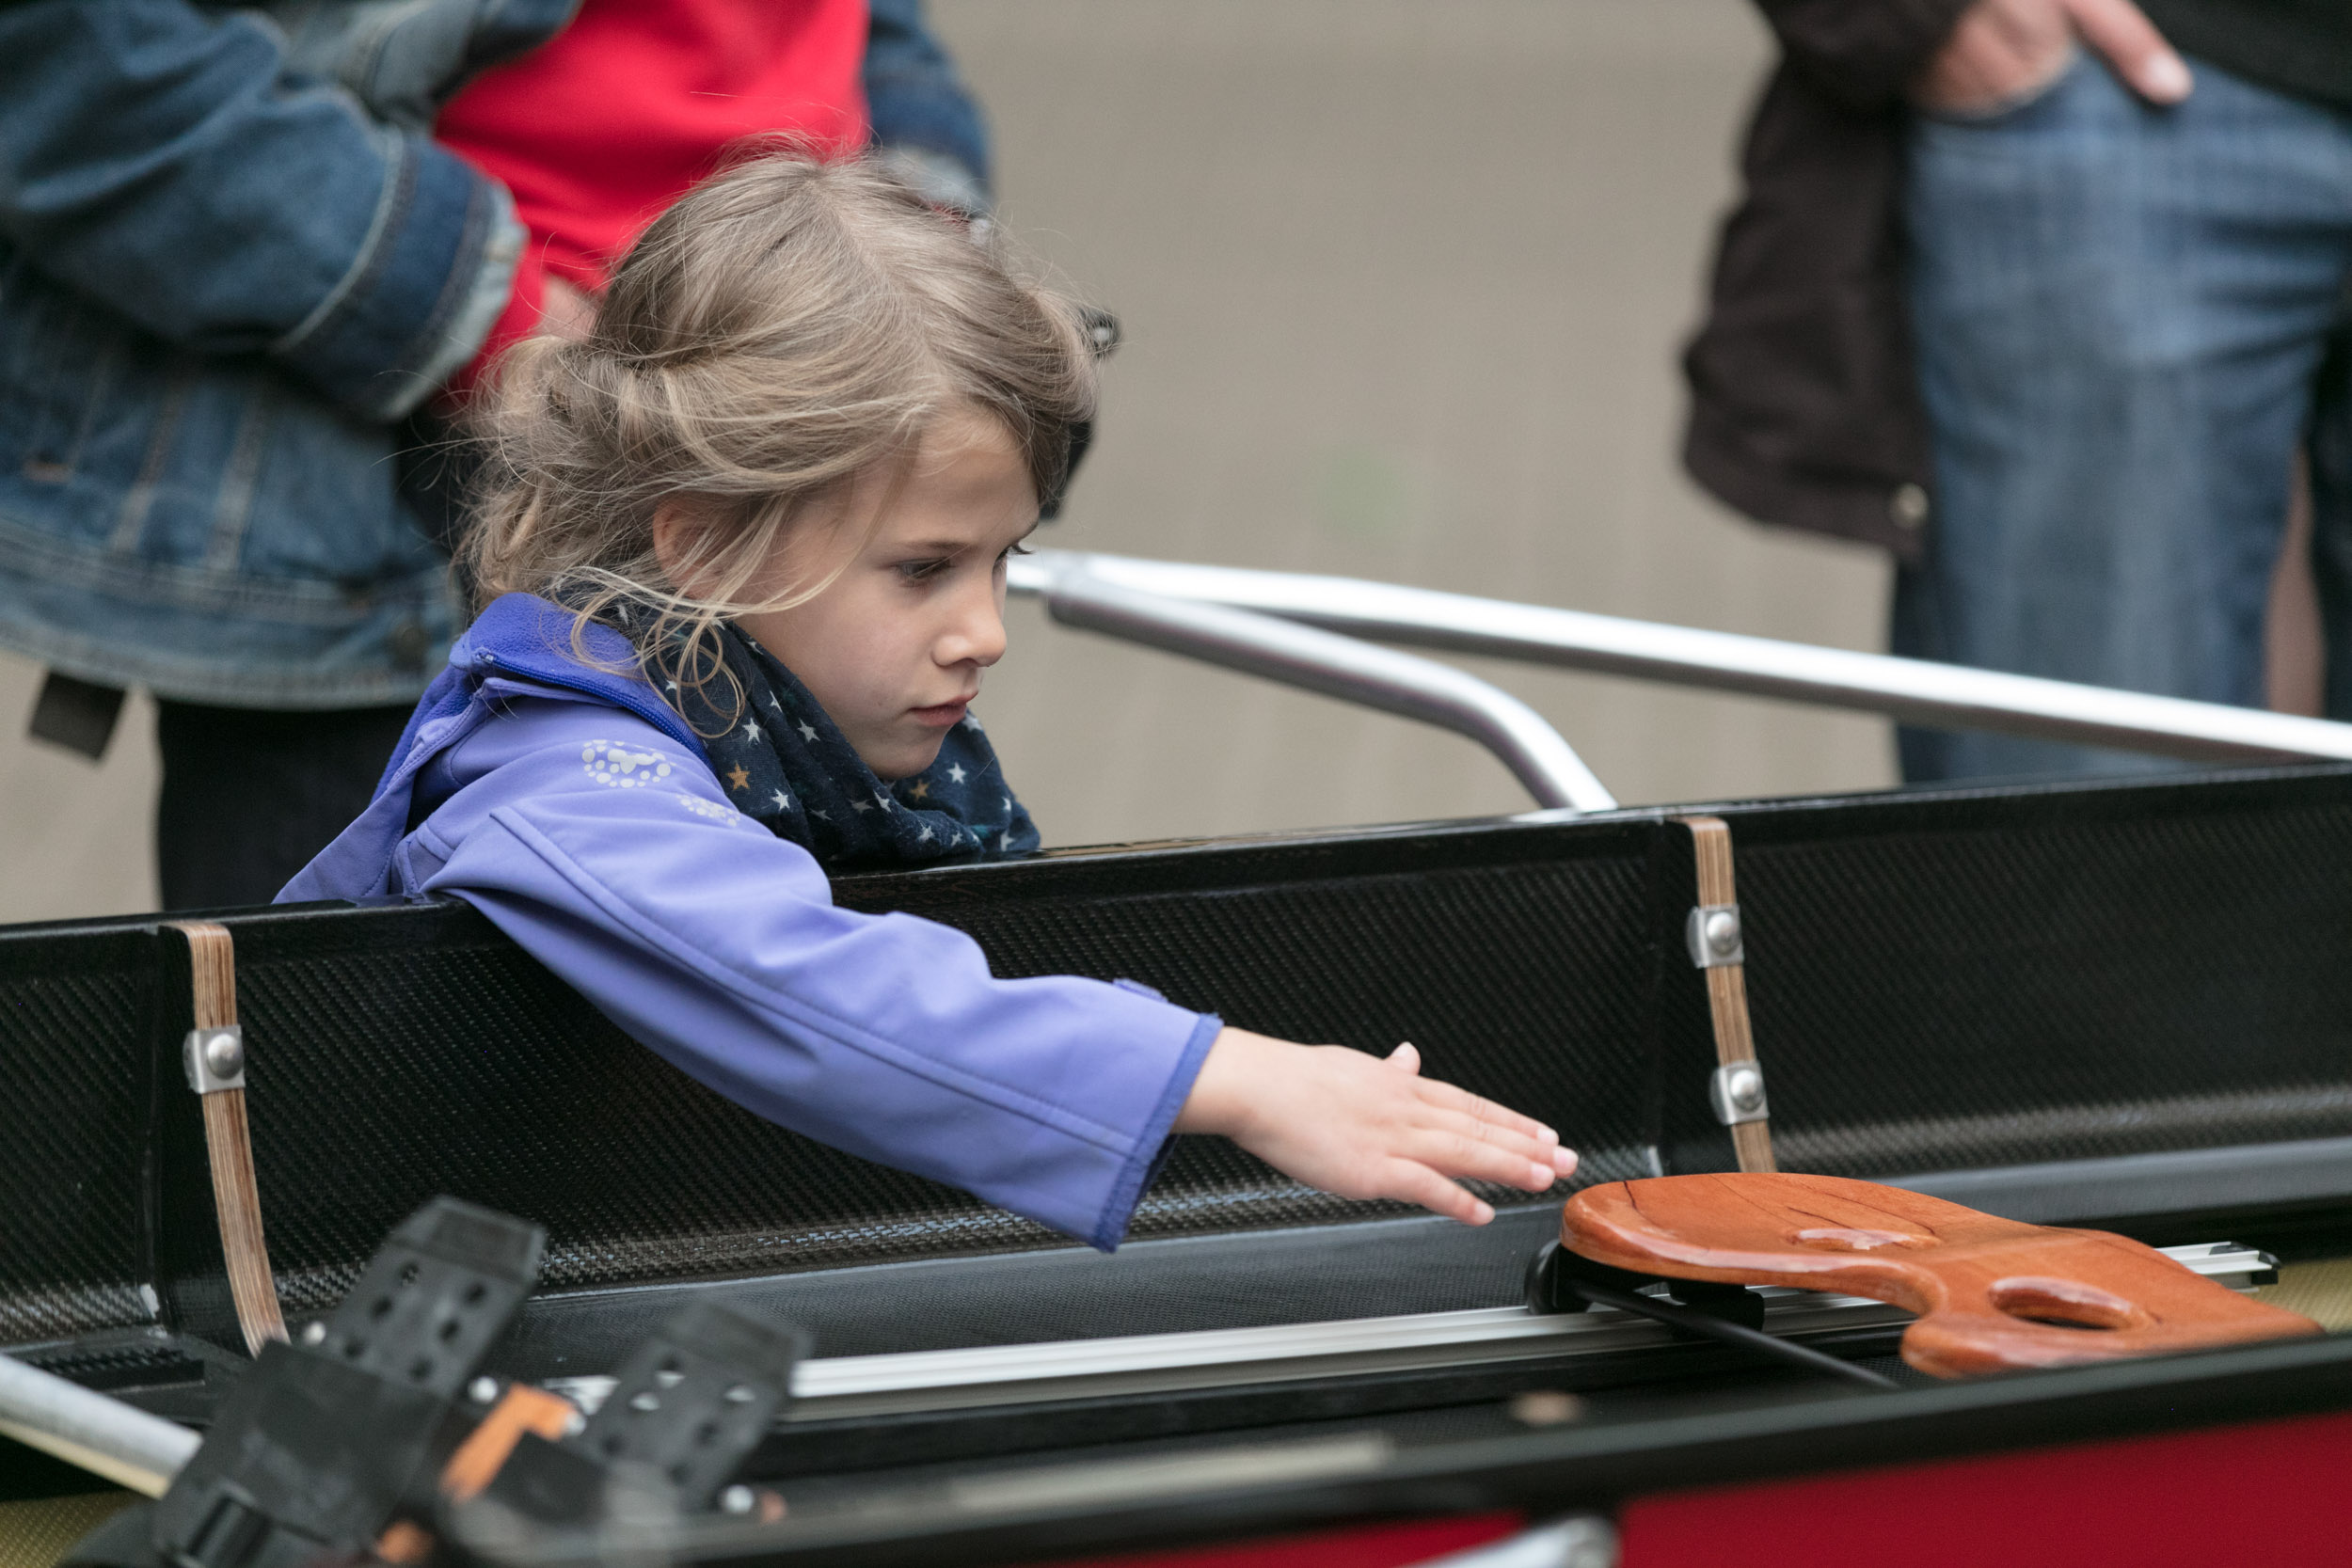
(200,524)
(59,354)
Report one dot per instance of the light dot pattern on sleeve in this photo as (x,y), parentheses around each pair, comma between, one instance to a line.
(618,767)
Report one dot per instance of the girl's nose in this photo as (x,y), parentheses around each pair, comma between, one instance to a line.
(976,635)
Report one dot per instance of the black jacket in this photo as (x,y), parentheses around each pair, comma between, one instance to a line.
(1805,402)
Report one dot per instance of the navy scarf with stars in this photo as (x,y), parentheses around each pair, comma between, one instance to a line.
(785,766)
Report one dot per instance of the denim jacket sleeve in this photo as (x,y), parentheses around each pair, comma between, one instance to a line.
(612,854)
(920,110)
(163,160)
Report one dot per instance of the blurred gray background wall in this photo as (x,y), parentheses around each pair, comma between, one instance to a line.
(1403,283)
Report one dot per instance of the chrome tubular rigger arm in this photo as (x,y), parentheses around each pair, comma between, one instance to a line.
(1336,666)
(1947,696)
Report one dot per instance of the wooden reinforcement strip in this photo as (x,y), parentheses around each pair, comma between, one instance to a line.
(1727,984)
(229,1145)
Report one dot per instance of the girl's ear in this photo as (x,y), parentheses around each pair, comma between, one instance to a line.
(678,533)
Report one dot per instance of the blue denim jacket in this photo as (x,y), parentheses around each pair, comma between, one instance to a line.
(231,260)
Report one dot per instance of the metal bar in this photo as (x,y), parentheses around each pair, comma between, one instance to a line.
(1343,667)
(840,1387)
(1585,1540)
(104,1435)
(1942,695)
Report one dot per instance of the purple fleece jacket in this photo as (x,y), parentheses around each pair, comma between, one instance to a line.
(576,809)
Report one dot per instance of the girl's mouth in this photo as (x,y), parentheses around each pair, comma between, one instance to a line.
(944,715)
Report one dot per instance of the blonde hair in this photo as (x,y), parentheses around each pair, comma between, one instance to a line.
(791,324)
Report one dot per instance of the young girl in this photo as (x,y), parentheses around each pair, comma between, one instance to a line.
(743,570)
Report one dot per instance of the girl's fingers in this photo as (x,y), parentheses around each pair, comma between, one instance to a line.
(1544,1151)
(1448,1098)
(1454,1154)
(1410,1182)
(1405,1057)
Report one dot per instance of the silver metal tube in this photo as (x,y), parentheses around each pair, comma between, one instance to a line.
(1945,695)
(104,1435)
(1342,666)
(1586,1541)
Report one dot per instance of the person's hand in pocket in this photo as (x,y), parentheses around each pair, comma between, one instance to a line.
(2003,52)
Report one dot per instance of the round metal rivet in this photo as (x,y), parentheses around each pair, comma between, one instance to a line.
(1908,507)
(644,1401)
(224,1053)
(1747,1089)
(314,1334)
(483,1390)
(1723,931)
(738,1500)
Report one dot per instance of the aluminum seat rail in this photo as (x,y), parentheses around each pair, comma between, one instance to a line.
(1939,695)
(1139,1366)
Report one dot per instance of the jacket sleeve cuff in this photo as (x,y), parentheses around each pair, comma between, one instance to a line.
(941,178)
(433,279)
(1156,1140)
(526,301)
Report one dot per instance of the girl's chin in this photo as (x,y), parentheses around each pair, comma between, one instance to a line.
(903,762)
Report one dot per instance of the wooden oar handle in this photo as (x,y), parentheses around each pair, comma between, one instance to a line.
(1991,1295)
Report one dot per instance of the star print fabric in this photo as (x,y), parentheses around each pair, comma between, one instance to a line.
(785,766)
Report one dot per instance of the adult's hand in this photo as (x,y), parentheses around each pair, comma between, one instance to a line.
(2004,50)
(566,311)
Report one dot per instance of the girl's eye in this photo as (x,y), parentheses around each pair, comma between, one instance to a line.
(1011,550)
(921,571)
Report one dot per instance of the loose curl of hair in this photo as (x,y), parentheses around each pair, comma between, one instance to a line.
(791,324)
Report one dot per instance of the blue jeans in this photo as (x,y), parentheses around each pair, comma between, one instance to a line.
(2122,314)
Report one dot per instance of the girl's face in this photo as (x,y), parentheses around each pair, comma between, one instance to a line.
(894,645)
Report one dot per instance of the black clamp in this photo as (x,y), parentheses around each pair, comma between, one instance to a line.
(686,1410)
(366,1434)
(319,1447)
(1557,1281)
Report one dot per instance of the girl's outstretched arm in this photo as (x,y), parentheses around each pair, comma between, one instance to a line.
(1363,1127)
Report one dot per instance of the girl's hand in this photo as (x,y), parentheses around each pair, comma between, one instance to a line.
(1363,1127)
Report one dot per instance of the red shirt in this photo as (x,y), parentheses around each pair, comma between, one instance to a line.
(606,124)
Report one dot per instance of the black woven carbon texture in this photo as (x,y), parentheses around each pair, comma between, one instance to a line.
(73,1032)
(1937,983)
(1545,1012)
(1998,992)
(457,1065)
